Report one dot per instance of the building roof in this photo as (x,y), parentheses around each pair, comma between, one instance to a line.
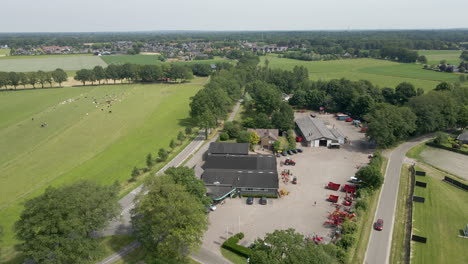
(336,133)
(272,133)
(463,136)
(241,162)
(314,128)
(241,178)
(228,148)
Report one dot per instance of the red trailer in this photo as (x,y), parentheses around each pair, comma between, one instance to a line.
(333,198)
(333,186)
(364,129)
(349,188)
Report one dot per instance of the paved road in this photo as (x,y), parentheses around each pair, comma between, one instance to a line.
(378,249)
(123,226)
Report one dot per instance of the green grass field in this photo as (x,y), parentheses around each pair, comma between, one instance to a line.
(4,52)
(81,141)
(435,56)
(49,63)
(380,72)
(441,219)
(149,59)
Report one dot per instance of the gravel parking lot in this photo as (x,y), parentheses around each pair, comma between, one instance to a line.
(452,162)
(314,169)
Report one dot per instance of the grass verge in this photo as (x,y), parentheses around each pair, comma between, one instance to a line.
(397,253)
(233,257)
(364,222)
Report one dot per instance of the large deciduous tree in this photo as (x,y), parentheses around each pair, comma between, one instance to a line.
(57,226)
(283,119)
(388,123)
(168,220)
(186,177)
(99,73)
(370,176)
(404,91)
(59,76)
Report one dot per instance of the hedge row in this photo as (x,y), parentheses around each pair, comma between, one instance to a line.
(231,245)
(432,144)
(259,196)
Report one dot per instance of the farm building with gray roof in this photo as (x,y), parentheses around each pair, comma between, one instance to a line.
(315,133)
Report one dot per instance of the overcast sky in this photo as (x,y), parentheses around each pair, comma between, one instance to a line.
(143,15)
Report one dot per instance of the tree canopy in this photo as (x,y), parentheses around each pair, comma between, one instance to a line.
(168,220)
(56,226)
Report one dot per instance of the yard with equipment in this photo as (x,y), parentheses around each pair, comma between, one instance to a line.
(98,133)
(380,72)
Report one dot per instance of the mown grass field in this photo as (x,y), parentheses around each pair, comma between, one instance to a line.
(441,219)
(380,72)
(4,52)
(435,56)
(81,141)
(49,63)
(150,59)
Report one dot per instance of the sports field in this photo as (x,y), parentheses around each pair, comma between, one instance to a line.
(435,56)
(150,59)
(380,72)
(441,219)
(82,139)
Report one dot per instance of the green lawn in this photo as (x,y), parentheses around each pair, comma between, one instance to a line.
(5,52)
(435,56)
(150,59)
(441,219)
(81,141)
(233,257)
(397,254)
(49,63)
(380,72)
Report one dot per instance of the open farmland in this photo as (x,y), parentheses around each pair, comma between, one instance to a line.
(380,72)
(441,219)
(81,141)
(149,59)
(435,56)
(49,63)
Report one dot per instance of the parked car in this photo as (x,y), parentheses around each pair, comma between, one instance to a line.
(378,225)
(298,139)
(354,180)
(294,151)
(284,153)
(299,150)
(213,207)
(289,152)
(250,200)
(263,201)
(278,154)
(349,119)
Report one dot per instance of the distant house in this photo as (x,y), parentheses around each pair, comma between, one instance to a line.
(463,138)
(213,67)
(267,136)
(227,172)
(316,134)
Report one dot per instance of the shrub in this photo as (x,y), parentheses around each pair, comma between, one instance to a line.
(361,204)
(240,235)
(223,136)
(346,241)
(188,131)
(349,227)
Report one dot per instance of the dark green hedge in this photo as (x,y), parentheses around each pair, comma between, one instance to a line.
(259,196)
(231,245)
(446,148)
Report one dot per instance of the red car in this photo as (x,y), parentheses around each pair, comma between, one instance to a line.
(298,139)
(378,225)
(349,119)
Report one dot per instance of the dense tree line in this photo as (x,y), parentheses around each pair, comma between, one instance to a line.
(134,73)
(16,79)
(362,40)
(212,103)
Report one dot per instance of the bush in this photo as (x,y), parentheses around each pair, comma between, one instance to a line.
(188,131)
(346,241)
(231,245)
(361,204)
(349,227)
(240,235)
(223,136)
